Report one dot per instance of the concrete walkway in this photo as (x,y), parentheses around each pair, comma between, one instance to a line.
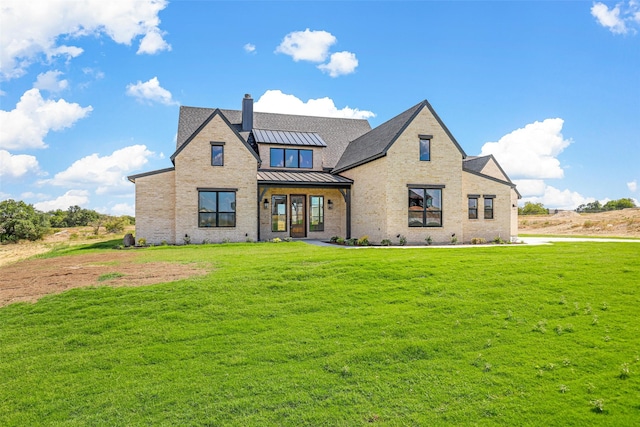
(526,240)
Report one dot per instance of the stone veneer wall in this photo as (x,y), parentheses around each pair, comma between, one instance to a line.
(501,225)
(194,170)
(155,207)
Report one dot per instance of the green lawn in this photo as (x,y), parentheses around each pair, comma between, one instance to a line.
(292,334)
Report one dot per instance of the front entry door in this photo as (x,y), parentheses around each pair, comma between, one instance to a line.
(298,224)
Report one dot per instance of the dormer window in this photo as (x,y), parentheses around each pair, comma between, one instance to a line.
(425,147)
(291,158)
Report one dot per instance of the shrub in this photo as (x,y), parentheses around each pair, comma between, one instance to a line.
(287,239)
(478,241)
(499,240)
(363,241)
(385,242)
(334,239)
(403,240)
(340,241)
(454,239)
(186,239)
(351,242)
(142,242)
(164,243)
(276,240)
(429,240)
(226,240)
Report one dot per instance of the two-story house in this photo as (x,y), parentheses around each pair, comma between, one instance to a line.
(241,175)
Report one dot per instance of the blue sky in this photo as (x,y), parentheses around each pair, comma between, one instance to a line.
(552,89)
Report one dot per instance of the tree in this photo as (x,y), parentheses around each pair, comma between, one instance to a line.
(619,204)
(533,209)
(589,207)
(19,220)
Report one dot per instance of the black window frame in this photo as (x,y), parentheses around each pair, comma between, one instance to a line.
(320,225)
(473,210)
(217,213)
(273,209)
(425,139)
(427,210)
(217,145)
(489,211)
(298,157)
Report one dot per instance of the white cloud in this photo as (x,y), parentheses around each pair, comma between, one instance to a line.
(120,209)
(32,29)
(107,174)
(153,43)
(70,198)
(307,45)
(621,19)
(33,118)
(530,152)
(17,166)
(341,63)
(150,91)
(274,101)
(49,81)
(552,198)
(249,48)
(530,187)
(632,186)
(31,195)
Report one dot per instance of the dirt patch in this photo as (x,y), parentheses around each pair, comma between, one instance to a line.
(32,279)
(622,223)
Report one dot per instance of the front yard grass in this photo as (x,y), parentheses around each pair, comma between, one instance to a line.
(292,334)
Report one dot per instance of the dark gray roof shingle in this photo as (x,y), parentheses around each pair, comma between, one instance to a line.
(476,163)
(374,144)
(336,132)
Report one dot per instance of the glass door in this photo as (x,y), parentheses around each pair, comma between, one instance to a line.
(298,215)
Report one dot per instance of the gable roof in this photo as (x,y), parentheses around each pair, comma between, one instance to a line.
(133,178)
(335,132)
(215,113)
(478,163)
(376,143)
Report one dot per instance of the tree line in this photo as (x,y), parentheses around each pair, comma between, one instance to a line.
(612,205)
(21,221)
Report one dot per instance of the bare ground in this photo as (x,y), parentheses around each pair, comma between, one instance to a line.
(622,223)
(32,279)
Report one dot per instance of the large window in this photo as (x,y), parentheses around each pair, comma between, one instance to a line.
(425,207)
(216,208)
(488,207)
(291,158)
(217,154)
(278,213)
(473,207)
(316,213)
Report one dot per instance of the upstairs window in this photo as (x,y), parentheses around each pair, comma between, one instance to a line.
(425,148)
(473,207)
(488,207)
(291,158)
(217,154)
(425,207)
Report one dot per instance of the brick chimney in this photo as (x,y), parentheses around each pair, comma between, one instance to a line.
(247,113)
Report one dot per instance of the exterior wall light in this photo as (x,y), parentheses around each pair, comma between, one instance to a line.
(330,204)
(266,203)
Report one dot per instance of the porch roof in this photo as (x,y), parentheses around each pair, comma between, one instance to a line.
(302,179)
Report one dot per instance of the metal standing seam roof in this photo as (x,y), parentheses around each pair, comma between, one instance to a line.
(263,136)
(276,176)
